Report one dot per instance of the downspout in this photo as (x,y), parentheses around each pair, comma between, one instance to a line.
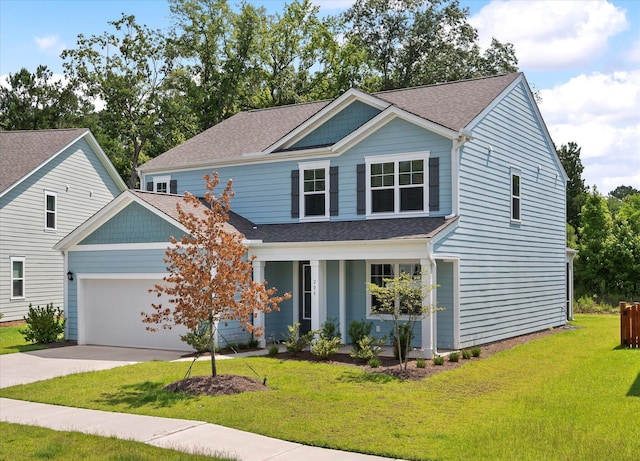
(462,138)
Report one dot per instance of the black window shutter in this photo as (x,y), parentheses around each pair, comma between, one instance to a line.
(333,191)
(434,184)
(295,193)
(150,186)
(173,186)
(361,188)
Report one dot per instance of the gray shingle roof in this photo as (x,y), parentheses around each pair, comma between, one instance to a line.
(21,152)
(328,231)
(452,105)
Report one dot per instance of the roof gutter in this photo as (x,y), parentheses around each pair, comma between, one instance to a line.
(463,136)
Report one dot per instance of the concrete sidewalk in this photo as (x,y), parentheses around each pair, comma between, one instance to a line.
(177,434)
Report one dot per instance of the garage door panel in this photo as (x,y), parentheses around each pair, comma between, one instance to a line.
(112,315)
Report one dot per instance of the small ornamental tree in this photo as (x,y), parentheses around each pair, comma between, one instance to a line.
(402,301)
(209,276)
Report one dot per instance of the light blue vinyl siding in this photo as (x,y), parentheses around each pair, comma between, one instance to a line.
(512,275)
(445,297)
(272,203)
(346,121)
(82,186)
(134,224)
(280,275)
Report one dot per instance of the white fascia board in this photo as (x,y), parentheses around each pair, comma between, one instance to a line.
(121,275)
(520,80)
(324,114)
(392,249)
(122,246)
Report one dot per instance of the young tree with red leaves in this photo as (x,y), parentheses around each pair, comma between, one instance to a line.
(209,276)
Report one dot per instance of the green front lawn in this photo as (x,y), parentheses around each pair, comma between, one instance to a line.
(11,340)
(19,443)
(572,395)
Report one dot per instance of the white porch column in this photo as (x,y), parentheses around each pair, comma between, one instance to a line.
(342,306)
(318,289)
(429,323)
(258,318)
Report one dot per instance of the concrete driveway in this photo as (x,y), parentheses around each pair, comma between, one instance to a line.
(28,367)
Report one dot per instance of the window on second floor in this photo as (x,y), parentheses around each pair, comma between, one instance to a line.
(515,195)
(397,184)
(163,185)
(314,191)
(50,210)
(17,277)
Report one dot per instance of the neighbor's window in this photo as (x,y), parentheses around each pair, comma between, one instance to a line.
(397,184)
(515,195)
(381,271)
(161,184)
(50,210)
(314,178)
(17,277)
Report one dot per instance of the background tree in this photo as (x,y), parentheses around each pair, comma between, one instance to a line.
(592,270)
(402,300)
(126,70)
(209,277)
(418,42)
(621,192)
(576,190)
(39,101)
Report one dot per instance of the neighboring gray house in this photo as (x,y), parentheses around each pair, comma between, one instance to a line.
(460,180)
(51,181)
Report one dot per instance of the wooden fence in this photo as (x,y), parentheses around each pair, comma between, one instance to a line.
(630,325)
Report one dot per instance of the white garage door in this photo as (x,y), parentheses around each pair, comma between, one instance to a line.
(112,317)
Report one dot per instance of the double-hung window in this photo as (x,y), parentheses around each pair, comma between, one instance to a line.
(314,188)
(397,184)
(379,271)
(50,210)
(17,277)
(161,184)
(515,195)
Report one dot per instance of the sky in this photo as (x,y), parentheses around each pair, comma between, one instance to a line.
(583,57)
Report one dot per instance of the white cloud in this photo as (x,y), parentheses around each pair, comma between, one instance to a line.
(600,113)
(50,44)
(551,34)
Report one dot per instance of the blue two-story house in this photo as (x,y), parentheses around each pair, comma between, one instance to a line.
(459,182)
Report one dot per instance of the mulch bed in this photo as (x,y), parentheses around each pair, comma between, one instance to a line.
(234,384)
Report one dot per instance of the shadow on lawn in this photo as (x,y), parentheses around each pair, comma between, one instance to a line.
(144,394)
(634,390)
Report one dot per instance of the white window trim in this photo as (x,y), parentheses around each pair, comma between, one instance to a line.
(21,259)
(396,158)
(515,172)
(396,263)
(162,179)
(323,164)
(48,193)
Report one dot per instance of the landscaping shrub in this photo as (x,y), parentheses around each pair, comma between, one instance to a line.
(476,351)
(454,357)
(374,362)
(359,329)
(294,342)
(421,363)
(273,350)
(367,348)
(44,324)
(466,354)
(199,338)
(438,360)
(328,341)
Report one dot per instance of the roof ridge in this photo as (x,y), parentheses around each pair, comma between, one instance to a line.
(44,130)
(453,82)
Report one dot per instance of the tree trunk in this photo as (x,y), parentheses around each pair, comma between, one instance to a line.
(212,346)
